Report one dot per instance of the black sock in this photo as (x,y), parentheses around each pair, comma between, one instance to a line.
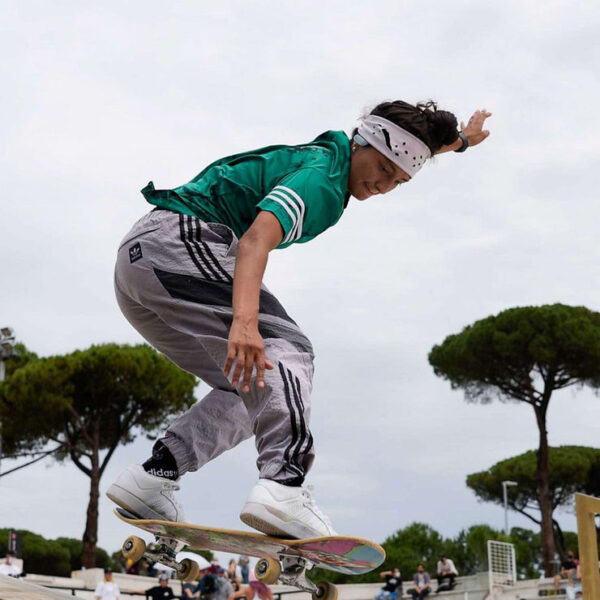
(295,482)
(161,463)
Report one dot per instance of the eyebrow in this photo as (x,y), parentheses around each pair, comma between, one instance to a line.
(394,167)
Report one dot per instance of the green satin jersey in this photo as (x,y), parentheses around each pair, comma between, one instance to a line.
(304,186)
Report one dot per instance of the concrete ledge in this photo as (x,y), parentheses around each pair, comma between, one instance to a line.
(18,589)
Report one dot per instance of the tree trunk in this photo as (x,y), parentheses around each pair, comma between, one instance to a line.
(90,535)
(559,540)
(544,494)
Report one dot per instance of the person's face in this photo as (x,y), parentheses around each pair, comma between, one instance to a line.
(163,583)
(420,568)
(108,576)
(372,173)
(396,572)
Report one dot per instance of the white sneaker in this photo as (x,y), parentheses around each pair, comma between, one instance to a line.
(145,495)
(285,511)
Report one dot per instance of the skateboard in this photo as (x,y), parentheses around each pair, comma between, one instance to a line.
(279,559)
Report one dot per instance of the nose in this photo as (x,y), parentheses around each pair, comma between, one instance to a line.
(383,187)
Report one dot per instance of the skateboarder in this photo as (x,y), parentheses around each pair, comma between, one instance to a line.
(189,276)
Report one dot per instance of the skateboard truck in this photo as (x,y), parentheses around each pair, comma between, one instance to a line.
(165,551)
(291,570)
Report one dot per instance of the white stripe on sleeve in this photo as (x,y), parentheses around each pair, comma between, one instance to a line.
(291,214)
(296,202)
(284,198)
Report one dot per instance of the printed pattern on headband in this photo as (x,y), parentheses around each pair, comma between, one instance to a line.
(397,149)
(400,146)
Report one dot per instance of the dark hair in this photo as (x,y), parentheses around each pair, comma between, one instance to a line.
(434,127)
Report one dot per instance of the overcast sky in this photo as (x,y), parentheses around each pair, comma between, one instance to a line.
(99,98)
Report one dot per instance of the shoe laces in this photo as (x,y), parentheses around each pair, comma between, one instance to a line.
(170,486)
(307,492)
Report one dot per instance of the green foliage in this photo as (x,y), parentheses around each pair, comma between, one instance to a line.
(118,562)
(75,547)
(501,355)
(525,354)
(412,545)
(528,550)
(19,359)
(469,548)
(207,554)
(41,556)
(121,389)
(572,541)
(83,405)
(51,557)
(570,468)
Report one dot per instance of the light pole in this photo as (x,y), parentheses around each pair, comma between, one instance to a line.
(506,484)
(7,349)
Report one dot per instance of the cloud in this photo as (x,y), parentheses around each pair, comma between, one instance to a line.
(104,98)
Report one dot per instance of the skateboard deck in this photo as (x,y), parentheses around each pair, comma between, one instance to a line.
(344,554)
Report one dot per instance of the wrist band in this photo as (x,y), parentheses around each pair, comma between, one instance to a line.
(465,142)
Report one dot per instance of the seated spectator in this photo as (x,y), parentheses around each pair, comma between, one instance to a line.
(162,591)
(568,570)
(446,574)
(393,585)
(421,583)
(8,567)
(574,586)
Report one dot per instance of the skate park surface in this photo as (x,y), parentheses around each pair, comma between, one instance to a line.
(17,589)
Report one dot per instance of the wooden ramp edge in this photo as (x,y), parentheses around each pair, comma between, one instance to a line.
(587,507)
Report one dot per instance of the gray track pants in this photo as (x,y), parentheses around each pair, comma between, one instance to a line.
(174,281)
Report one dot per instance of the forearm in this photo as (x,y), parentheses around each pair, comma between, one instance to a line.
(457,145)
(250,266)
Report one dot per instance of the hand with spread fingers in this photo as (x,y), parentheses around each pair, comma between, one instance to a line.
(474,128)
(246,348)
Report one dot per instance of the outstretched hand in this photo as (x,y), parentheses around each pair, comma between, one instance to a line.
(474,128)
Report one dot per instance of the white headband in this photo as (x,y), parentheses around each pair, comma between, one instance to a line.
(401,147)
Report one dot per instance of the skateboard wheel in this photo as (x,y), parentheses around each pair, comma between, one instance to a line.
(267,570)
(133,548)
(325,591)
(189,570)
